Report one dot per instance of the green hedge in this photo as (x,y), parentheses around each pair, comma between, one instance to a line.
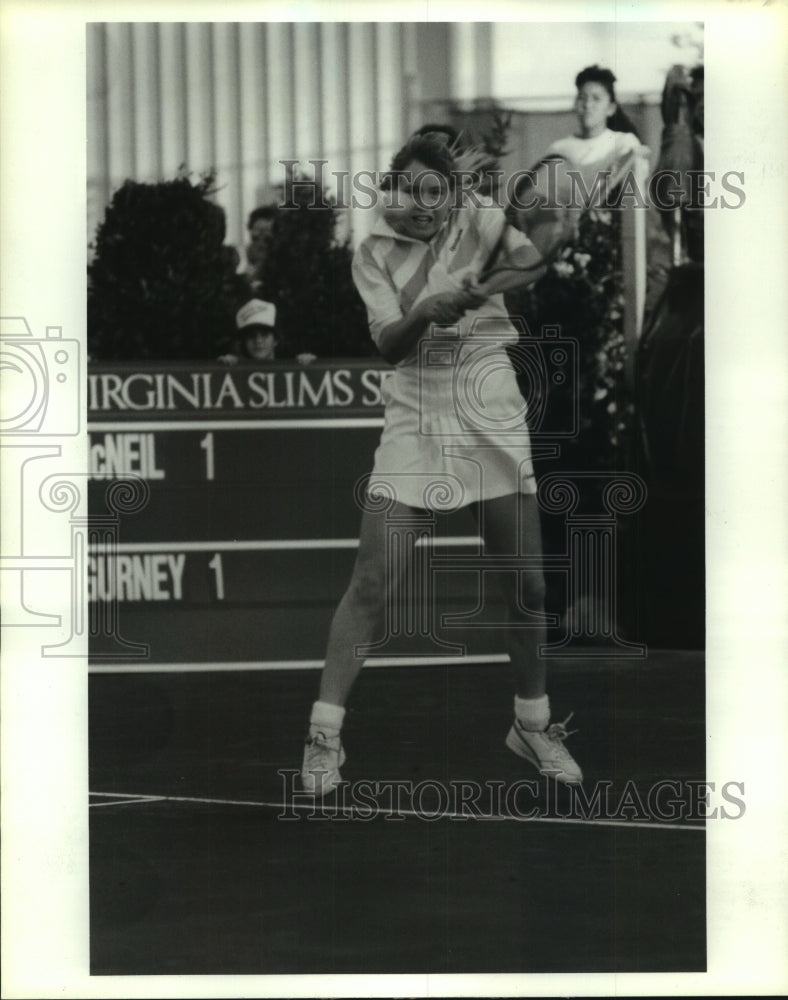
(156,285)
(162,284)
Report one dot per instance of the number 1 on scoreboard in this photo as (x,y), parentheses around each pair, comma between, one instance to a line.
(216,565)
(207,445)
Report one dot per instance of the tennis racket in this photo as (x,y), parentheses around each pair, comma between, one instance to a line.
(548,228)
(545,211)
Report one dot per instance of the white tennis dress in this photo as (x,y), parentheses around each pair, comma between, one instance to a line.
(455,427)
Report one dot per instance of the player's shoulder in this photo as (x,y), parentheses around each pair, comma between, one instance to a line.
(365,252)
(474,204)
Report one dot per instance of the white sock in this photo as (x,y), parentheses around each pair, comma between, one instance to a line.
(326,718)
(533,713)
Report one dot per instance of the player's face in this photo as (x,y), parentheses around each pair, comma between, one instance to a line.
(593,107)
(425,201)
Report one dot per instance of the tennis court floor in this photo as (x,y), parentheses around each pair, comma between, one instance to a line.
(204,861)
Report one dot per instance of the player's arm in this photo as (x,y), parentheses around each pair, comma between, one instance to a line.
(397,340)
(395,333)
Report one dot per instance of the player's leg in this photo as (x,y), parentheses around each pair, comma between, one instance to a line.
(356,623)
(510,526)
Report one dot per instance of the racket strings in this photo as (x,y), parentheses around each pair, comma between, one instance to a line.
(544,261)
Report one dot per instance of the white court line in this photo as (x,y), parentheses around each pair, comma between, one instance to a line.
(131,799)
(121,795)
(222,666)
(127,802)
(122,800)
(268,545)
(308,423)
(322,807)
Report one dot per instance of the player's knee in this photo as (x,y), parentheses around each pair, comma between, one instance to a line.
(367,591)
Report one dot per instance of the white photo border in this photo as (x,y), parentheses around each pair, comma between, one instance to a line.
(44,703)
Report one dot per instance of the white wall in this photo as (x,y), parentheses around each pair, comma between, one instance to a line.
(240,97)
(536,64)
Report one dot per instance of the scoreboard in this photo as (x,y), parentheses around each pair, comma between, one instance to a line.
(248,531)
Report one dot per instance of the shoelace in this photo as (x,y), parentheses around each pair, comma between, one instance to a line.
(557,732)
(321,740)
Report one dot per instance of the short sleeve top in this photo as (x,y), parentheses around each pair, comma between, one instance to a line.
(393,273)
(602,150)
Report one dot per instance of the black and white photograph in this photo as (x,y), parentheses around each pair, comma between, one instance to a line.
(394,547)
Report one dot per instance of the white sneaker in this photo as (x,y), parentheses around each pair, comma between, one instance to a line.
(323,757)
(546,750)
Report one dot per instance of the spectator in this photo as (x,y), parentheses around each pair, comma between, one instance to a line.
(698,93)
(605,138)
(670,384)
(260,225)
(256,325)
(257,335)
(582,294)
(681,153)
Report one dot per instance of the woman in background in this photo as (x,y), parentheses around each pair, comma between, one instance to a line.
(604,137)
(582,292)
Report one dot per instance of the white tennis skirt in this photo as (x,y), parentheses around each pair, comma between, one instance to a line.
(455,429)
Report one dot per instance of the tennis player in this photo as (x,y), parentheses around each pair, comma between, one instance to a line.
(418,273)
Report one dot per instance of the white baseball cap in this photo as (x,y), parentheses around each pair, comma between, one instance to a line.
(256,313)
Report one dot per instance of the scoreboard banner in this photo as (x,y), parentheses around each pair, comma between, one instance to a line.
(276,390)
(248,531)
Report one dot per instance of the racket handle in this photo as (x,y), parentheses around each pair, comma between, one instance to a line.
(495,253)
